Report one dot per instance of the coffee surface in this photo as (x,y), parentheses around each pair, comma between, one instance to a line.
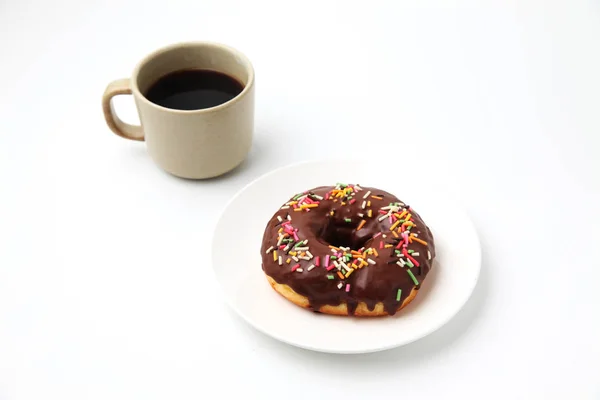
(193,89)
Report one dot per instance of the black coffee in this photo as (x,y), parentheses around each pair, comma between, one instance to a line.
(193,89)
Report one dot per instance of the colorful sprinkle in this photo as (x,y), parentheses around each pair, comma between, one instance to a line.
(348,220)
(269,249)
(295,267)
(416,239)
(414,279)
(398,294)
(330,277)
(340,275)
(310,267)
(362,223)
(347,288)
(280,260)
(410,257)
(367,194)
(275,255)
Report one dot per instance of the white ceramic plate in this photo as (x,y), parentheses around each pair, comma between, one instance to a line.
(237,261)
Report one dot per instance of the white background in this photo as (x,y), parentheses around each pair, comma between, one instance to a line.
(104,284)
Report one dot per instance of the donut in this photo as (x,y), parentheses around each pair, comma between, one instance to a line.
(347,250)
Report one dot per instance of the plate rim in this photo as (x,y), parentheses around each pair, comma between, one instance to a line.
(259,328)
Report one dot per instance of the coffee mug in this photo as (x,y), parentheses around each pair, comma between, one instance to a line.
(195,144)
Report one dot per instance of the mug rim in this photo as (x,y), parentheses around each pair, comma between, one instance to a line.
(161,50)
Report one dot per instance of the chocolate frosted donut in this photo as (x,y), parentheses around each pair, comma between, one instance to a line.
(347,250)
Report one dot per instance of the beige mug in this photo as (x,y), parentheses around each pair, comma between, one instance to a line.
(194,144)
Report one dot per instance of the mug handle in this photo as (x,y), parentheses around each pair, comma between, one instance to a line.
(123,129)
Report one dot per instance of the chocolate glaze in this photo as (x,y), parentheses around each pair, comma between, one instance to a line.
(370,284)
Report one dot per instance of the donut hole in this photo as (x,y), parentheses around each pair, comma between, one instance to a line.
(339,234)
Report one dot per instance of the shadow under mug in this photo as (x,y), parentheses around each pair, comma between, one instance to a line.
(193,144)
